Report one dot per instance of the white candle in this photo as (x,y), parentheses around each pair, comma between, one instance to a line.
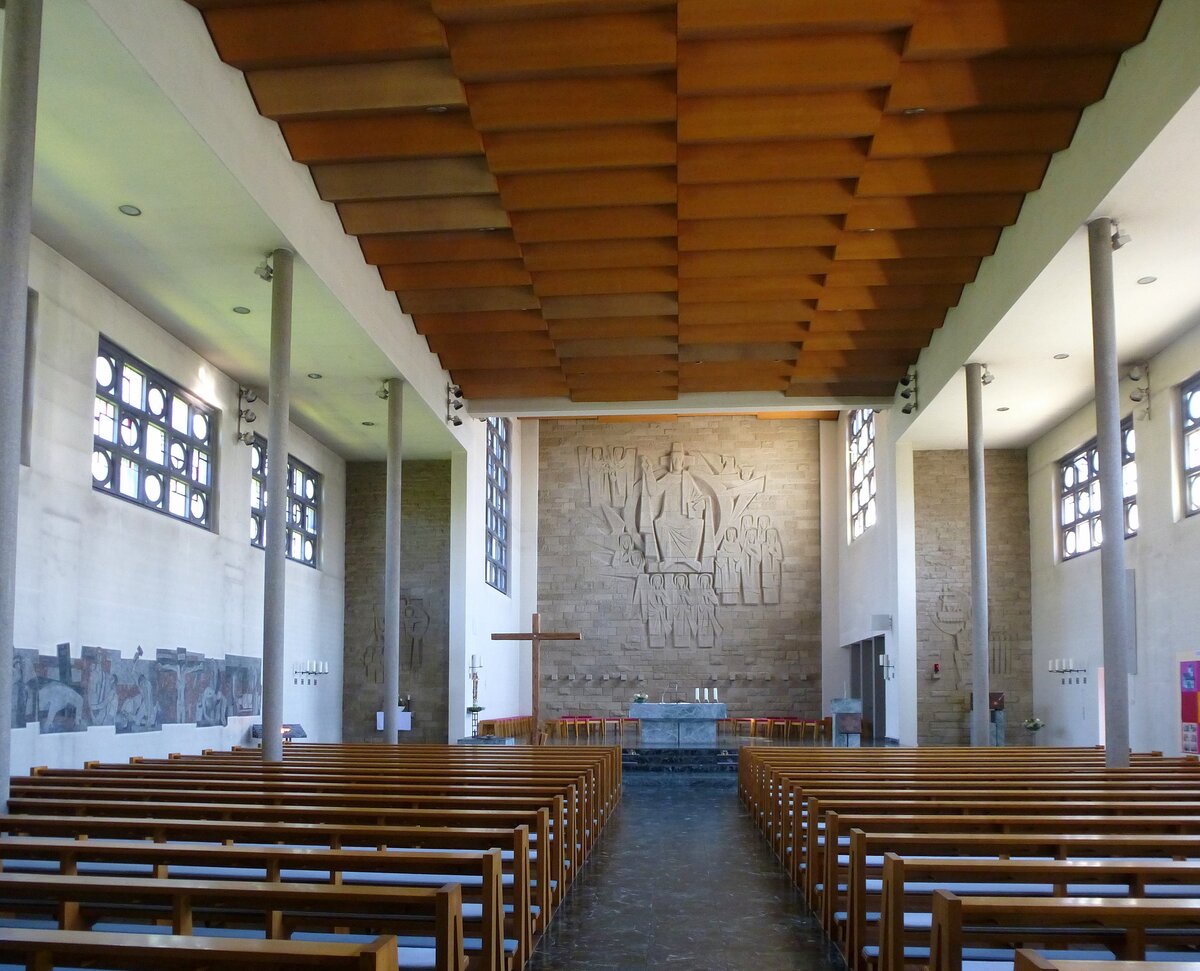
(474,660)
(697,694)
(324,667)
(715,698)
(706,694)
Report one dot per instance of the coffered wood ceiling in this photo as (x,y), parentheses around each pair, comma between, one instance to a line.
(626,200)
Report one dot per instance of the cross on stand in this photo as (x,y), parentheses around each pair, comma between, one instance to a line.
(536,635)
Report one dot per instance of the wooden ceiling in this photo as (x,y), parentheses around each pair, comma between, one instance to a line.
(627,200)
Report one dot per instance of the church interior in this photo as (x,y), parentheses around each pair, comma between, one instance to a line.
(783,362)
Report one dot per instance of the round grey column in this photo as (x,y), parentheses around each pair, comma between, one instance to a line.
(981,733)
(391,563)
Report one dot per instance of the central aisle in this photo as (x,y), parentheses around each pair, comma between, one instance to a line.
(680,879)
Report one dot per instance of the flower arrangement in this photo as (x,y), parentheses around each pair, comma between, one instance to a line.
(1033,724)
(639,698)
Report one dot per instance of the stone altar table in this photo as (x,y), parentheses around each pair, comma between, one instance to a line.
(678,723)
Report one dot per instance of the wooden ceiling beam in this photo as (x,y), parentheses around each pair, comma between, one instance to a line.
(467,300)
(882,373)
(600,254)
(746,312)
(934,212)
(461,273)
(752,18)
(479,354)
(755,262)
(749,289)
(763,233)
(712,353)
(1005,82)
(606,349)
(882,273)
(906,340)
(524,383)
(605,187)
(557,103)
(616,222)
(889,298)
(513,50)
(850,388)
(502,343)
(954,175)
(405,179)
(664,392)
(845,321)
(774,161)
(614,328)
(274,35)
(560,283)
(974,133)
(309,92)
(787,332)
(815,197)
(620,365)
(665,376)
(618,147)
(422,215)
(439,247)
(975,28)
(474,11)
(732,118)
(484,322)
(610,305)
(909,243)
(370,138)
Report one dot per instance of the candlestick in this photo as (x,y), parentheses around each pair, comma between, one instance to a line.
(697,694)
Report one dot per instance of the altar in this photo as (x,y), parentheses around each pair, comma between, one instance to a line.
(678,723)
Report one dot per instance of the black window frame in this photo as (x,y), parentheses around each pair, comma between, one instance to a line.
(861,506)
(1073,485)
(300,526)
(1189,433)
(498,508)
(152,419)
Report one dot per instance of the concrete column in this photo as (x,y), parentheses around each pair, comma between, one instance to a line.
(980,688)
(30,383)
(19,65)
(1117,615)
(391,563)
(279,394)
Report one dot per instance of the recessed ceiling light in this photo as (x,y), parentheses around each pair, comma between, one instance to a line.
(241,310)
(437,109)
(129,210)
(1061,356)
(369,424)
(315,375)
(1143,280)
(1002,408)
(914,111)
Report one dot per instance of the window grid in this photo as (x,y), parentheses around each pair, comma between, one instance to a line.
(1190,398)
(1079,494)
(152,440)
(304,505)
(499,468)
(861,428)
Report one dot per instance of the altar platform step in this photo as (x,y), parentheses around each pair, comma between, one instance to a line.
(670,758)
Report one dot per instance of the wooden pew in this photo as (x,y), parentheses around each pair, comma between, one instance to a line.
(92,857)
(279,910)
(1118,924)
(1055,878)
(43,949)
(1028,960)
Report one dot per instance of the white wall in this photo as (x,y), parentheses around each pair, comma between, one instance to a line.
(1165,558)
(477,610)
(94,569)
(868,574)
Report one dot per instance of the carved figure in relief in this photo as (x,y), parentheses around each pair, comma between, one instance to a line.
(101,691)
(674,517)
(681,613)
(729,557)
(627,558)
(704,611)
(650,595)
(952,620)
(608,474)
(772,566)
(751,567)
(414,622)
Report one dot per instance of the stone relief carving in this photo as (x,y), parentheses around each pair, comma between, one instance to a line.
(953,619)
(681,527)
(414,625)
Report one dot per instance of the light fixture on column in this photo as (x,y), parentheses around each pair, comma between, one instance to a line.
(382,392)
(908,391)
(1119,238)
(987,377)
(246,396)
(1139,374)
(265,270)
(454,404)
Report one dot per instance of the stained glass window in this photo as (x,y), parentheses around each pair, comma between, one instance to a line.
(1190,394)
(498,512)
(861,427)
(304,505)
(1079,494)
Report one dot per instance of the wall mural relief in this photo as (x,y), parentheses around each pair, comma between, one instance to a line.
(953,618)
(414,625)
(64,694)
(682,528)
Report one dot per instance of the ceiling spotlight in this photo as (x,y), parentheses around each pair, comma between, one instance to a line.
(1119,238)
(454,391)
(247,416)
(455,420)
(1143,280)
(907,393)
(265,271)
(246,438)
(454,403)
(987,377)
(1139,374)
(909,408)
(1137,395)
(241,310)
(248,395)
(129,210)
(382,392)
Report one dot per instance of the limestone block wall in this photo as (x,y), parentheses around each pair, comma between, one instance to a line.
(943,547)
(684,551)
(424,579)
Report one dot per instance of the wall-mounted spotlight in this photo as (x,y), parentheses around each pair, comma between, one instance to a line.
(987,377)
(1139,374)
(1119,238)
(382,392)
(265,270)
(908,392)
(454,404)
(245,415)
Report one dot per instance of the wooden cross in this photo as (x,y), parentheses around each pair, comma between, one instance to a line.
(536,635)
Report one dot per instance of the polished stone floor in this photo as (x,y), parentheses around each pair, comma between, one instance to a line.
(680,879)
